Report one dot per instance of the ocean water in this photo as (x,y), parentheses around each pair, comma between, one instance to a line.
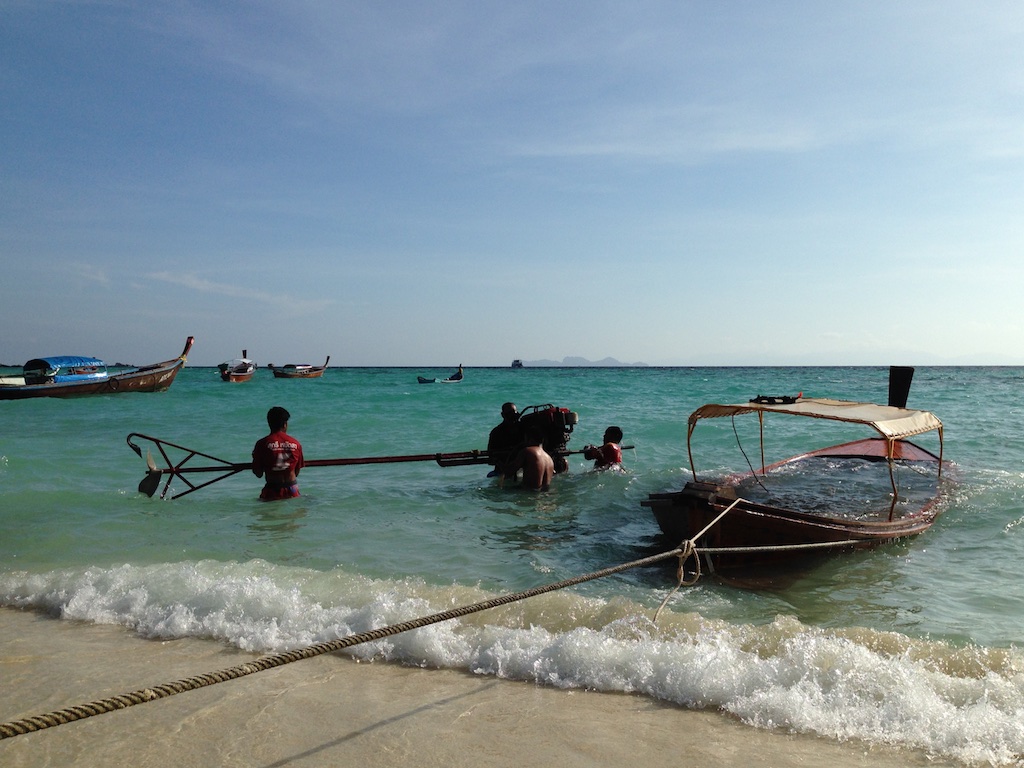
(915,644)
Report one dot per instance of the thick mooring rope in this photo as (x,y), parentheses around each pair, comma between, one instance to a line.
(689,549)
(683,552)
(123,701)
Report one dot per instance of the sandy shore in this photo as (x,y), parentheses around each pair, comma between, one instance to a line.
(331,711)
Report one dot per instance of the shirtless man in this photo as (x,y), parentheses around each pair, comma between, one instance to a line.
(279,456)
(538,467)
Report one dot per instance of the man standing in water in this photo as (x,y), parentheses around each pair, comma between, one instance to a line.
(279,456)
(504,440)
(537,465)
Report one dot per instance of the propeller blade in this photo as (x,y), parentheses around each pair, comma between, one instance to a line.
(150,482)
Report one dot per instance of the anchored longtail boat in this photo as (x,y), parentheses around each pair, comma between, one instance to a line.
(70,376)
(239,369)
(300,371)
(848,496)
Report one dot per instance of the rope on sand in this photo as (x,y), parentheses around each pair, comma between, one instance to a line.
(683,552)
(123,701)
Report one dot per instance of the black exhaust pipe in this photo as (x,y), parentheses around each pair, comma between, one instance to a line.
(900,377)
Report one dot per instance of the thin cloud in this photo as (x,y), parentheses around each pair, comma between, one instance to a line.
(302,306)
(91,272)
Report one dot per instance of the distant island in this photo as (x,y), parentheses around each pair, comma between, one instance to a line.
(608,362)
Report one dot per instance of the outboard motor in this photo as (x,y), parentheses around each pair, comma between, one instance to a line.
(555,424)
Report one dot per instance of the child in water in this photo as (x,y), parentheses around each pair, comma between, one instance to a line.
(609,454)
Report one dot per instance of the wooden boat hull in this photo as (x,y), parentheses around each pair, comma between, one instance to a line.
(150,378)
(314,373)
(763,529)
(237,370)
(292,371)
(236,377)
(779,538)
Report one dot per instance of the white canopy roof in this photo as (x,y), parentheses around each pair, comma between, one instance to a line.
(891,422)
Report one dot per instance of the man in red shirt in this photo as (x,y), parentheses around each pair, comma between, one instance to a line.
(279,457)
(609,454)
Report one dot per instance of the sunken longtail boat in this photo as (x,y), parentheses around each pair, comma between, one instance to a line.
(71,376)
(852,495)
(238,369)
(299,370)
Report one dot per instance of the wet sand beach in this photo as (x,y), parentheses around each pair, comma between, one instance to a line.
(331,710)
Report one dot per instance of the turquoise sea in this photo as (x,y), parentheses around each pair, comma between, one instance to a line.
(914,645)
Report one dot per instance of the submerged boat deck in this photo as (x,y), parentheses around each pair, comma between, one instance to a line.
(845,488)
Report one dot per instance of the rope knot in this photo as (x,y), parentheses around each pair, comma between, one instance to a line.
(687,550)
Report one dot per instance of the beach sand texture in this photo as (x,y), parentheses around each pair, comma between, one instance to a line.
(331,710)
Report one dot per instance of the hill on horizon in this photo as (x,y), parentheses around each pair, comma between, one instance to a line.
(608,362)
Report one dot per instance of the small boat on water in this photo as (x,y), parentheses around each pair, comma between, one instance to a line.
(70,376)
(748,527)
(300,371)
(455,378)
(238,369)
(517,363)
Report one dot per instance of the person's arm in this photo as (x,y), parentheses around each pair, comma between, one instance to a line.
(257,465)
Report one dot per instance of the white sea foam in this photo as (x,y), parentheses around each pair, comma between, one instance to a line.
(961,703)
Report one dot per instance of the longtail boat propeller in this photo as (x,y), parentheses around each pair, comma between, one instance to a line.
(151,481)
(179,466)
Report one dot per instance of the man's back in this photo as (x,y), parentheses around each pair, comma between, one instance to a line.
(538,468)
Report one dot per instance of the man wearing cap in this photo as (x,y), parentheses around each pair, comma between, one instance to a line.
(279,457)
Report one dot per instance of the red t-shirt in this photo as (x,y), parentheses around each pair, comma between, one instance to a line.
(277,452)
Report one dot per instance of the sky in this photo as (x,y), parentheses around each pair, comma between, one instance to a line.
(429,184)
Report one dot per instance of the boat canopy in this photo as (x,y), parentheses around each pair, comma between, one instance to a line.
(63,368)
(889,421)
(63,361)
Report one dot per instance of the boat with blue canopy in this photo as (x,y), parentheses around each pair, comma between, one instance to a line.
(72,376)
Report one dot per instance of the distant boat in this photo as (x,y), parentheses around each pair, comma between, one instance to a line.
(455,378)
(300,371)
(239,369)
(68,376)
(517,363)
